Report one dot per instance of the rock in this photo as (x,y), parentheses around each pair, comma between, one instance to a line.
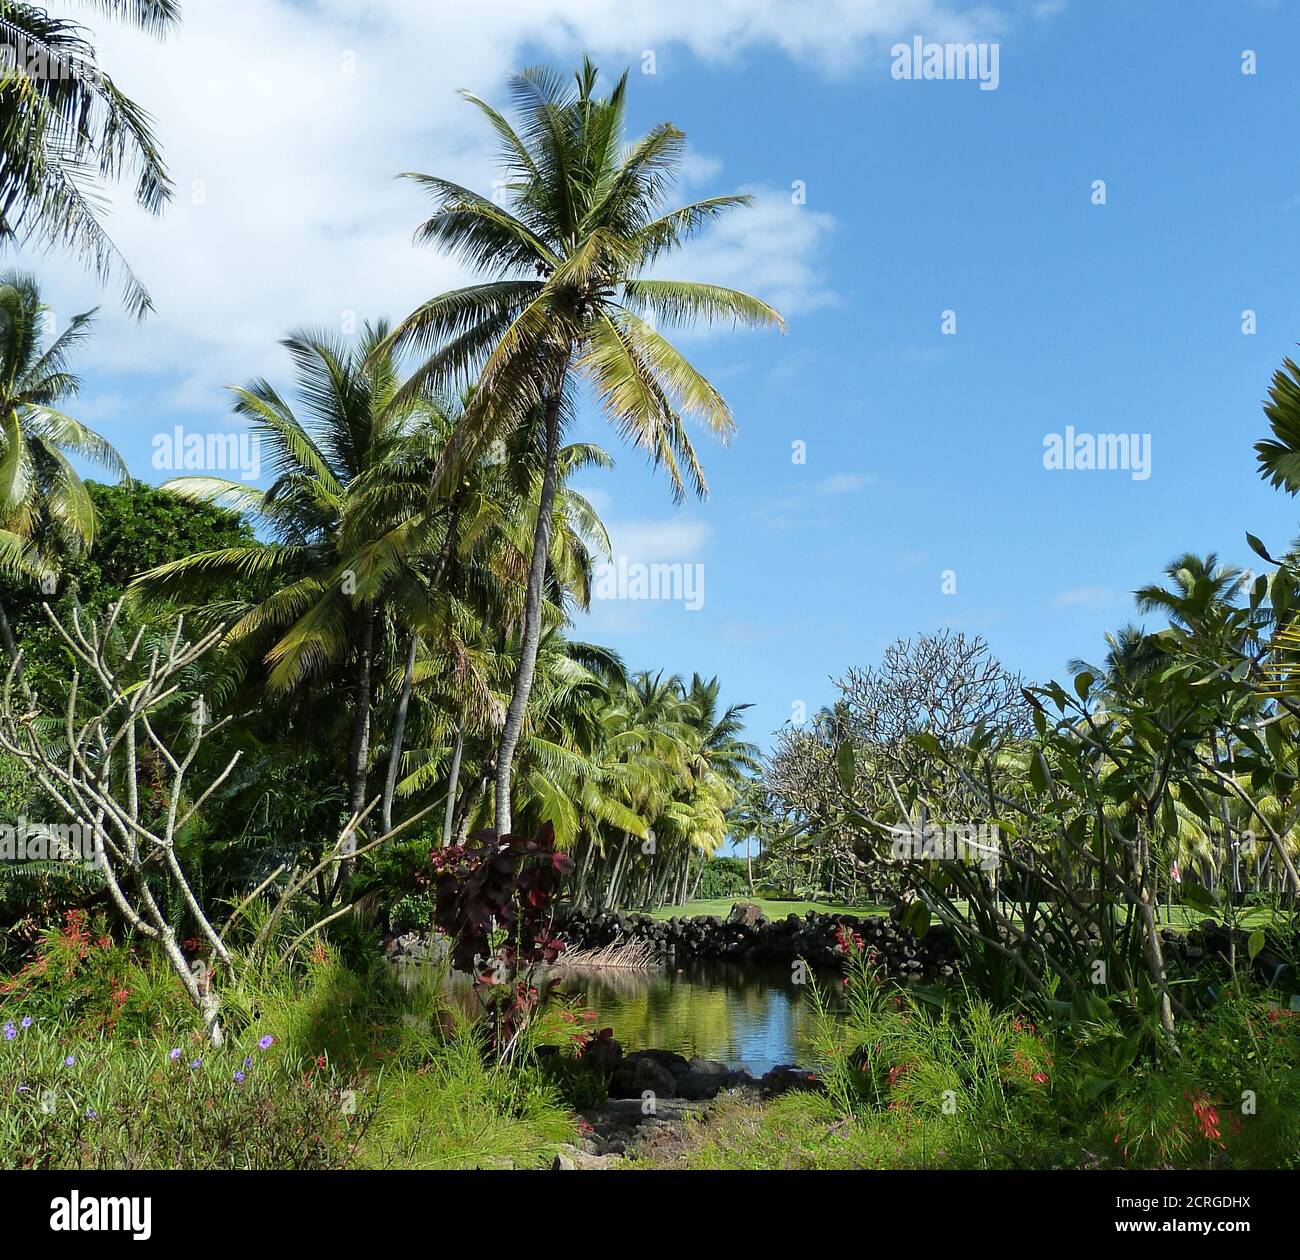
(746,913)
(787,1077)
(710,1066)
(652,1076)
(569,1159)
(670,1059)
(699,1085)
(639,1073)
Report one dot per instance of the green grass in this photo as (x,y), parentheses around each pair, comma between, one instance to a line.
(1180,917)
(355,1070)
(773,908)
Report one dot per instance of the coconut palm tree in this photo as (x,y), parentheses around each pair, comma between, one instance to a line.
(349,520)
(65,126)
(474,604)
(564,298)
(45,510)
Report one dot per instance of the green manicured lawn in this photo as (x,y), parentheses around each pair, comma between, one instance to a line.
(772,908)
(1180,917)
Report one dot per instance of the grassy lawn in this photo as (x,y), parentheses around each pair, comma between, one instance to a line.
(774,909)
(1180,917)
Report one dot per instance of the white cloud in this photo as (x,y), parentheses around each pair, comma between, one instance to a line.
(1083,597)
(844,483)
(284,125)
(658,541)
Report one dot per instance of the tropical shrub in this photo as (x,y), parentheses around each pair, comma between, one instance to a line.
(497,902)
(722,877)
(960,1083)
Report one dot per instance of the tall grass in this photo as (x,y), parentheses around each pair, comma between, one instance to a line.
(966,1085)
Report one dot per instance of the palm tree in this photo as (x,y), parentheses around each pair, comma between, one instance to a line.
(1279,456)
(45,510)
(469,619)
(350,523)
(563,299)
(64,126)
(1200,591)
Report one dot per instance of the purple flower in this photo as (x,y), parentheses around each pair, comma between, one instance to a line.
(25,1022)
(174,1053)
(92,1113)
(239,1078)
(10,1031)
(248,1061)
(197,1063)
(70,1060)
(265,1043)
(23,1089)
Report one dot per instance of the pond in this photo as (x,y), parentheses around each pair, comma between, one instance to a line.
(743,1015)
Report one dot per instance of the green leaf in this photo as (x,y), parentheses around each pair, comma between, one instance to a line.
(916,918)
(1083,683)
(1193,893)
(1259,549)
(1255,943)
(845,763)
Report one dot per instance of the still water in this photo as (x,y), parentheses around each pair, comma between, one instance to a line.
(744,1016)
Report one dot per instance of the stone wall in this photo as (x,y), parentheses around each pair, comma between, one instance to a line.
(745,935)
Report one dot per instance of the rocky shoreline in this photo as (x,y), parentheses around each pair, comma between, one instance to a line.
(746,935)
(654,1098)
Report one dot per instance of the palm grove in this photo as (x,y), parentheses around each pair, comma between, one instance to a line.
(384,630)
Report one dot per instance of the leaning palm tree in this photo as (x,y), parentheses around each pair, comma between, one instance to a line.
(45,510)
(65,126)
(564,298)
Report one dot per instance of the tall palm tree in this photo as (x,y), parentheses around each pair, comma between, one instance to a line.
(468,622)
(65,126)
(348,518)
(45,510)
(565,261)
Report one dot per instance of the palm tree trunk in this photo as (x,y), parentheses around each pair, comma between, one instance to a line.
(361,717)
(399,730)
(532,629)
(11,645)
(408,679)
(449,814)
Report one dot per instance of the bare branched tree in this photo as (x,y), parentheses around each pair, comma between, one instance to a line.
(119,764)
(96,772)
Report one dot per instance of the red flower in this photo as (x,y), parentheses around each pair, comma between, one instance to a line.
(1207,1117)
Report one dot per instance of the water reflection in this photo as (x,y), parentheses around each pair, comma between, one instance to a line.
(742,1015)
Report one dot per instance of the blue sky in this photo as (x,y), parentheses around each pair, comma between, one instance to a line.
(924,450)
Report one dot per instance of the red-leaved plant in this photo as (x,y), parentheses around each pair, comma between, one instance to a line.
(496,900)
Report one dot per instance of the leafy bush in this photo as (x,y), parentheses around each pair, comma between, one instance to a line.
(963,1084)
(497,901)
(723,877)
